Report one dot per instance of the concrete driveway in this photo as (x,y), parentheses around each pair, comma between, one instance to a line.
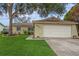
(64,47)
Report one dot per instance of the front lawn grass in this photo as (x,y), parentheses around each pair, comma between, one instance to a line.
(18,46)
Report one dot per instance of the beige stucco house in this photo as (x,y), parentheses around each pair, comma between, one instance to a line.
(20,27)
(54,27)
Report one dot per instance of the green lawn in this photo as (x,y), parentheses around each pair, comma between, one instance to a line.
(18,46)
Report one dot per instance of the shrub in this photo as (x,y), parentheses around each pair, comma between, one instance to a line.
(25,32)
(4,31)
(30,32)
(74,36)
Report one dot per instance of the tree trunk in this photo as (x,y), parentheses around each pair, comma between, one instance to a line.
(10,27)
(10,18)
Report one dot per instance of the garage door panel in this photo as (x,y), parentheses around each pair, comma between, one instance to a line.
(56,31)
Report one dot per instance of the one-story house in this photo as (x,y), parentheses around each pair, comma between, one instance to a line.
(55,28)
(1,27)
(19,28)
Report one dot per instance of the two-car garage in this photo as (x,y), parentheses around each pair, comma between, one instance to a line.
(56,31)
(55,28)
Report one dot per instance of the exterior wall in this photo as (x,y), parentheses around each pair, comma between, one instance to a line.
(1,28)
(21,31)
(74,31)
(14,30)
(38,30)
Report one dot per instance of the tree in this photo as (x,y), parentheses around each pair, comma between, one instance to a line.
(16,9)
(22,19)
(73,15)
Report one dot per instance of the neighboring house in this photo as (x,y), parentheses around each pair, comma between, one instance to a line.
(55,28)
(1,27)
(21,27)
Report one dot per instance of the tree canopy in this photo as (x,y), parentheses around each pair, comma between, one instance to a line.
(43,9)
(73,14)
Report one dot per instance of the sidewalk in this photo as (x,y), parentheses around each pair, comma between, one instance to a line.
(30,37)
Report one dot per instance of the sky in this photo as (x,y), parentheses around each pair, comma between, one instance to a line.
(5,21)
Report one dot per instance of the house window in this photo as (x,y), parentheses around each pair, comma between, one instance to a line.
(18,28)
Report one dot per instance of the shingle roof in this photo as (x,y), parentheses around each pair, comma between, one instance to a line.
(22,24)
(54,20)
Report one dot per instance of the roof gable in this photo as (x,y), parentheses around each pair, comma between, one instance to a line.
(54,20)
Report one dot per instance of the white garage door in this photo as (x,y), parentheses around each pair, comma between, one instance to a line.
(56,31)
